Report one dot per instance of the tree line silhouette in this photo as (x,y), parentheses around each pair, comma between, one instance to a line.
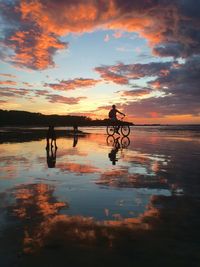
(25,118)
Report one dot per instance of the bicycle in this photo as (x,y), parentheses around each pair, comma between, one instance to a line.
(112,129)
(123,143)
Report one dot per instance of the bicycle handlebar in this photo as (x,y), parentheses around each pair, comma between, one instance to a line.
(122,117)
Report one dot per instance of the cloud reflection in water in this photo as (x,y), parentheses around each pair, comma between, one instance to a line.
(138,208)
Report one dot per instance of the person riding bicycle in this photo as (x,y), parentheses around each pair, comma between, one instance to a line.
(113,116)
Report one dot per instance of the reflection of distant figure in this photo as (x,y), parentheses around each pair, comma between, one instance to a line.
(75,140)
(75,128)
(113,153)
(51,156)
(51,137)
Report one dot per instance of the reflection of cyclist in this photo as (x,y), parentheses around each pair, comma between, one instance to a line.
(113,116)
(113,153)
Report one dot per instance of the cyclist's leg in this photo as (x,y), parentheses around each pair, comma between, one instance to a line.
(117,126)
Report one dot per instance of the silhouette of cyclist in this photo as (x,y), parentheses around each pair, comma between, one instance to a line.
(113,116)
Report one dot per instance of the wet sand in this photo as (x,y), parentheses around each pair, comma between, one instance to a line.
(86,211)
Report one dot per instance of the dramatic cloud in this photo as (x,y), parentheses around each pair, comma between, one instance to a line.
(72,84)
(181,88)
(32,31)
(33,28)
(177,85)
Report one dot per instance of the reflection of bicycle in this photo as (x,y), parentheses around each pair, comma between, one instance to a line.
(124,142)
(116,144)
(112,129)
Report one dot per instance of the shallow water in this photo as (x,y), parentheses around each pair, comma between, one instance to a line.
(124,200)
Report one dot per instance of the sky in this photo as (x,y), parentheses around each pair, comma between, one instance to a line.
(79,57)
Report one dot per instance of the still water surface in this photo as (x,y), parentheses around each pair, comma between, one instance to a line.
(125,200)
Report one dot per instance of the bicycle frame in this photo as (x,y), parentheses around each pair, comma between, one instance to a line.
(115,127)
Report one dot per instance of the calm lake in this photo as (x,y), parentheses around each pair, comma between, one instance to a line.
(101,201)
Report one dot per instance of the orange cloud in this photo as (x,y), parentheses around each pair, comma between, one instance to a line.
(8,82)
(72,84)
(108,75)
(34,49)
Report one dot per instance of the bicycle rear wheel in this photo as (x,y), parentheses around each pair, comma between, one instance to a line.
(110,140)
(110,130)
(125,130)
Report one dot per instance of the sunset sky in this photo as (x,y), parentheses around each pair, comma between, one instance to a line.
(78,57)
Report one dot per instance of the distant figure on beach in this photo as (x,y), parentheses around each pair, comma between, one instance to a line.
(113,116)
(75,128)
(51,137)
(51,156)
(113,153)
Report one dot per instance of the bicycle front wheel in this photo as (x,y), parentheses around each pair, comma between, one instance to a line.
(110,130)
(125,130)
(125,142)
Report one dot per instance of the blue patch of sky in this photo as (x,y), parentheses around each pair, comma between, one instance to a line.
(87,51)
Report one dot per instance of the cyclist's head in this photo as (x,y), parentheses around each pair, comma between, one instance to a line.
(113,106)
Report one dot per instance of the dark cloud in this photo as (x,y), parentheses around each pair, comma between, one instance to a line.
(177,83)
(181,80)
(13,92)
(136,92)
(8,75)
(64,100)
(170,49)
(181,88)
(122,74)
(163,106)
(9,92)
